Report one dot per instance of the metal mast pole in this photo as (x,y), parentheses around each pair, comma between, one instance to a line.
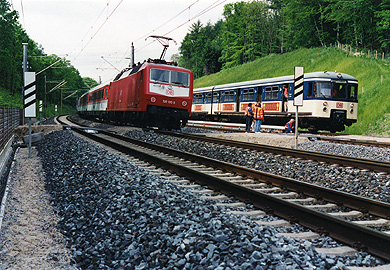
(24,74)
(45,98)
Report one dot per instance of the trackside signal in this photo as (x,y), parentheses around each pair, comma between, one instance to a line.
(298,86)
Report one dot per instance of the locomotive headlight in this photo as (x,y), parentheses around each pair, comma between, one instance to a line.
(153,99)
(324,109)
(325,103)
(351,111)
(184,103)
(351,105)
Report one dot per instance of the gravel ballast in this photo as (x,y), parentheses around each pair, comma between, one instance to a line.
(351,180)
(117,216)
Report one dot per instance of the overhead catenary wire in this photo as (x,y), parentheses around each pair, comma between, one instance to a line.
(149,33)
(21,6)
(207,9)
(97,31)
(93,25)
(171,19)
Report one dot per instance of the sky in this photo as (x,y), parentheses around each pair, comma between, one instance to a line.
(96,35)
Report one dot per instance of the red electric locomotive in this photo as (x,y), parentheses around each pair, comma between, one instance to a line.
(154,93)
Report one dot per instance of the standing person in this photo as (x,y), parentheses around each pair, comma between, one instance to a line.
(289,127)
(285,98)
(258,116)
(248,117)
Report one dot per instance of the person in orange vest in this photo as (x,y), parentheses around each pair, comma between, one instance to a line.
(248,117)
(289,126)
(285,98)
(258,115)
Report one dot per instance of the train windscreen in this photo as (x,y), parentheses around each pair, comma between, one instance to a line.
(170,76)
(337,90)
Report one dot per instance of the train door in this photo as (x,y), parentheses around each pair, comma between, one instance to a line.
(139,89)
(238,100)
(259,94)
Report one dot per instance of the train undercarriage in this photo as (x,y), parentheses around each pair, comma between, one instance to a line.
(154,116)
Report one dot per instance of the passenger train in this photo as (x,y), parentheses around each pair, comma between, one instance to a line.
(152,94)
(329,101)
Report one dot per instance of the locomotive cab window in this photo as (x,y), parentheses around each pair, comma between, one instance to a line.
(170,76)
(339,90)
(324,89)
(352,92)
(180,78)
(159,75)
(312,89)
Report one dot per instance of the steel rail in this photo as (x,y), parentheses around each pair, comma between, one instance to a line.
(355,235)
(373,165)
(372,143)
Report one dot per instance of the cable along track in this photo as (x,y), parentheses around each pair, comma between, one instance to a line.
(295,201)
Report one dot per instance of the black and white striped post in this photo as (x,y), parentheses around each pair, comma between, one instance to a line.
(298,96)
(29,100)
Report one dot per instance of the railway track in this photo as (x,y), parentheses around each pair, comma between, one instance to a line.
(345,217)
(372,143)
(325,136)
(372,165)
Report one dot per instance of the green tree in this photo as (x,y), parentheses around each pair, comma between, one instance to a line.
(304,23)
(233,35)
(11,40)
(201,49)
(382,16)
(249,31)
(355,21)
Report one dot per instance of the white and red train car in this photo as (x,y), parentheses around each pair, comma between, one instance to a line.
(152,94)
(330,101)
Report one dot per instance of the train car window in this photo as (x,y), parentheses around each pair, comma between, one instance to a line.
(248,94)
(180,78)
(159,75)
(310,90)
(352,92)
(324,89)
(83,100)
(268,93)
(208,98)
(141,76)
(275,92)
(215,97)
(198,98)
(229,96)
(271,92)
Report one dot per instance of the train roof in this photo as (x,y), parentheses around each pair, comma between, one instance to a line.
(320,75)
(128,71)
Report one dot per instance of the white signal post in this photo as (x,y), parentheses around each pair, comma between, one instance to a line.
(29,95)
(298,96)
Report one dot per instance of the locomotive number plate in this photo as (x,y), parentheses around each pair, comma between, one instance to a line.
(339,105)
(169,101)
